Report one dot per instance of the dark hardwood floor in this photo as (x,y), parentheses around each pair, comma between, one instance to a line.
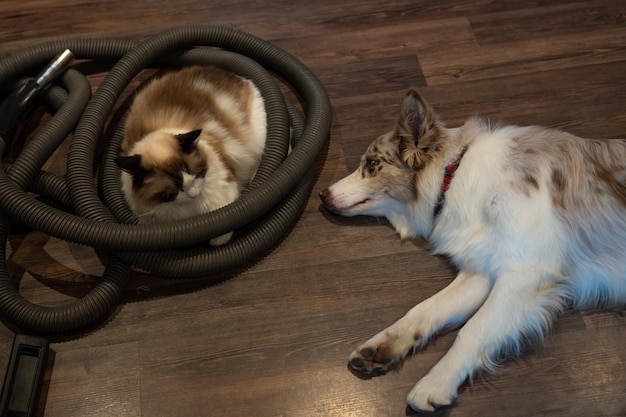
(272,339)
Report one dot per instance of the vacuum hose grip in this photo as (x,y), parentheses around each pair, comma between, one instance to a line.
(24,98)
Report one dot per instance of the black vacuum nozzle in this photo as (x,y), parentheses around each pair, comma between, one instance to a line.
(17,104)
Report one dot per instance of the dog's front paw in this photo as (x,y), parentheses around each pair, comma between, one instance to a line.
(382,353)
(369,362)
(430,393)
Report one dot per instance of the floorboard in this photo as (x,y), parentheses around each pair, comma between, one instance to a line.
(271,338)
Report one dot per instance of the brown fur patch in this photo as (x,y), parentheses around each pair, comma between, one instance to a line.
(558,186)
(614,178)
(532,181)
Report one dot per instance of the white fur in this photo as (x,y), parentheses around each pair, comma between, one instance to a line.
(520,260)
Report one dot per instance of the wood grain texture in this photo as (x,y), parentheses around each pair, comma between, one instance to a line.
(272,338)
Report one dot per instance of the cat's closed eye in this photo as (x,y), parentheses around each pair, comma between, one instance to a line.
(166,195)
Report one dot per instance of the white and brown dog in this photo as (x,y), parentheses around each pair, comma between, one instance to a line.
(533,218)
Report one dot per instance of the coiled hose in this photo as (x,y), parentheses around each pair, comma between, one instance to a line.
(99,216)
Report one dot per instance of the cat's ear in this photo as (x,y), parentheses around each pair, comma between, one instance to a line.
(130,164)
(188,140)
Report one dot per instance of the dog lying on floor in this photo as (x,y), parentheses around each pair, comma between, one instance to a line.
(533,218)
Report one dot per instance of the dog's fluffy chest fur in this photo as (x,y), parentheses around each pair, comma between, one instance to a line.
(484,207)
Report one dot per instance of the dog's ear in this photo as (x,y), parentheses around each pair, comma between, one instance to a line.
(418,130)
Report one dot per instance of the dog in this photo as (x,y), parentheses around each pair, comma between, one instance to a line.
(533,218)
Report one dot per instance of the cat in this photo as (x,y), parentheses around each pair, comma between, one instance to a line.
(193,141)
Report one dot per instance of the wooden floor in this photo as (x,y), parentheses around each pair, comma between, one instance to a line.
(272,339)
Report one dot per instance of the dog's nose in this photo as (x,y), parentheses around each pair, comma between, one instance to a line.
(324,195)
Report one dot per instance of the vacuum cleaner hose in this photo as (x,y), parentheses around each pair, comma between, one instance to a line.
(99,216)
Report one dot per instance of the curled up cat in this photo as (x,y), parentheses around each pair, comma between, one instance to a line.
(193,141)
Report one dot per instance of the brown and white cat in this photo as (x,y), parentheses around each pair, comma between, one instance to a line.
(193,140)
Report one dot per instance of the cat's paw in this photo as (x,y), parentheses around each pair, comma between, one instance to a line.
(220,240)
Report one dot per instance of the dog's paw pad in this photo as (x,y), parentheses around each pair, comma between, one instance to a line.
(368,362)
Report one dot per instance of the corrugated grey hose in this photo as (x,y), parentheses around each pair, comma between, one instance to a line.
(99,216)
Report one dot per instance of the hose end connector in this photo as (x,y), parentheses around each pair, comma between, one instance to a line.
(54,68)
(23,99)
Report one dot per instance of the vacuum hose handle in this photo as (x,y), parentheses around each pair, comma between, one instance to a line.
(17,104)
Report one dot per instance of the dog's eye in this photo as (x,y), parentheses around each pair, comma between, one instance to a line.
(371,166)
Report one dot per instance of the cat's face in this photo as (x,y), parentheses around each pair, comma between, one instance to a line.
(164,168)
